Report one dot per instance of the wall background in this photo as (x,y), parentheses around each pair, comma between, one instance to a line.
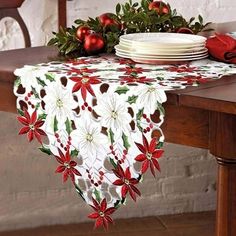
(31,194)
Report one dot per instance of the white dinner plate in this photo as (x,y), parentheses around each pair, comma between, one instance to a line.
(195,51)
(160,56)
(162,39)
(161,47)
(160,60)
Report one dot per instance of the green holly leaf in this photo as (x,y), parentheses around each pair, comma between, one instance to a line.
(55,124)
(113,163)
(74,153)
(138,118)
(111,136)
(139,114)
(117,204)
(68,126)
(159,145)
(122,90)
(17,82)
(34,92)
(97,195)
(79,191)
(132,99)
(19,111)
(161,108)
(50,77)
(45,150)
(125,141)
(42,116)
(41,82)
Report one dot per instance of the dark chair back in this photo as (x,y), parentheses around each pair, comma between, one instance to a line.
(9,8)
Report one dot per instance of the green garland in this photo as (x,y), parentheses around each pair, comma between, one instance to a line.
(133,17)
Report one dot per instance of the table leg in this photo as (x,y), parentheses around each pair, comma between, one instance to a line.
(222,130)
(226,198)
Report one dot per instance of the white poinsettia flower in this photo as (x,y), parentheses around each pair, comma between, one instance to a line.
(113,111)
(59,102)
(29,75)
(89,140)
(148,96)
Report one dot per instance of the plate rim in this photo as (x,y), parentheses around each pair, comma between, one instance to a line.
(164,59)
(153,53)
(198,38)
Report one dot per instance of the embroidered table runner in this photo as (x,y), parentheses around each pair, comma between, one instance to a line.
(101,117)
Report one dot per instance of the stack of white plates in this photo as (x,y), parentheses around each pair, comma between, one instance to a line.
(161,48)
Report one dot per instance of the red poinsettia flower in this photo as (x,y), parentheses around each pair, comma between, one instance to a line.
(190,80)
(78,61)
(181,69)
(67,166)
(84,84)
(32,126)
(102,213)
(131,70)
(81,71)
(149,155)
(134,79)
(123,61)
(126,182)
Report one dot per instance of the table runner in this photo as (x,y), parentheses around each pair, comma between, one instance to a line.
(101,117)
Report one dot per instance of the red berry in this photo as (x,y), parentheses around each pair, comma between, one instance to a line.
(109,20)
(94,43)
(184,30)
(159,6)
(82,32)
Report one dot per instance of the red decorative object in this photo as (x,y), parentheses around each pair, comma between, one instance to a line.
(102,213)
(126,182)
(94,43)
(184,30)
(67,166)
(159,6)
(32,126)
(82,32)
(149,155)
(84,83)
(107,20)
(222,47)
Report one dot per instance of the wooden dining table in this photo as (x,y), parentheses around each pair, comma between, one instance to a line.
(203,116)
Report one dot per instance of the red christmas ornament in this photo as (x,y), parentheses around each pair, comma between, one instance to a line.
(108,19)
(94,43)
(184,30)
(159,6)
(82,32)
